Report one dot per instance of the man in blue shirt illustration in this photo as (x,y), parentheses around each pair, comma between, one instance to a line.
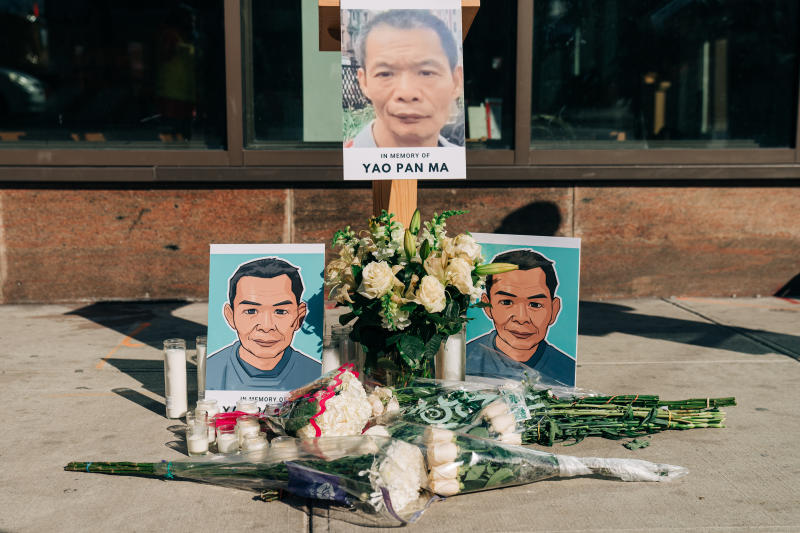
(523,307)
(265,309)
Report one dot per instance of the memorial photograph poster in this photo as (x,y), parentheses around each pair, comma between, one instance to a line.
(533,318)
(265,320)
(402,90)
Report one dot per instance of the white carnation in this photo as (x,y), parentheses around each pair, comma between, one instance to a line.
(464,246)
(345,414)
(431,294)
(377,280)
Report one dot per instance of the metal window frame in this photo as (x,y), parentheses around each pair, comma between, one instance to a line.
(238,163)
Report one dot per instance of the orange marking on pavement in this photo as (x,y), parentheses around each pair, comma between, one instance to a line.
(123,342)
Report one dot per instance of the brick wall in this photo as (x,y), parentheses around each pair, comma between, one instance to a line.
(97,244)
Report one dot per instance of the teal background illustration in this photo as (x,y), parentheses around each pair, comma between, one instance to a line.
(566,261)
(222,266)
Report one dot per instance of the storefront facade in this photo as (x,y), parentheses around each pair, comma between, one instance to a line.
(133,135)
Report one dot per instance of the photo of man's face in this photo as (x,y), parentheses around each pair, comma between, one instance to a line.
(522,310)
(408,78)
(265,315)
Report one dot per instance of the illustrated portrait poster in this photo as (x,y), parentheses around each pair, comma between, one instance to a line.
(402,89)
(534,313)
(264,330)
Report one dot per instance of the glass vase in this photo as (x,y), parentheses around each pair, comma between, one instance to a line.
(450,362)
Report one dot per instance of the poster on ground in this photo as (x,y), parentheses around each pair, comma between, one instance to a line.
(533,318)
(265,319)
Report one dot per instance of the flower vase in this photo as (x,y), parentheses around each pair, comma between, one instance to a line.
(450,362)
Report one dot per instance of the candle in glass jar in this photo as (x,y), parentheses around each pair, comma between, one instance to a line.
(247,406)
(227,442)
(175,377)
(200,353)
(197,443)
(331,358)
(255,445)
(247,426)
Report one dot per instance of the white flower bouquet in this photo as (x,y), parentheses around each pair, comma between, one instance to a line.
(377,475)
(408,289)
(460,463)
(334,405)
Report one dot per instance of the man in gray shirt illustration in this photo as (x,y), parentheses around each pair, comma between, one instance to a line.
(265,309)
(523,307)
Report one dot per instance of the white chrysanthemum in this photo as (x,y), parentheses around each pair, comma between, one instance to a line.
(345,414)
(402,473)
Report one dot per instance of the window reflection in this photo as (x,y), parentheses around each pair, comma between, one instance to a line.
(294,91)
(81,74)
(664,73)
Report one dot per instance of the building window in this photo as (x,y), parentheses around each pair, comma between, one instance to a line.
(81,74)
(650,74)
(293,91)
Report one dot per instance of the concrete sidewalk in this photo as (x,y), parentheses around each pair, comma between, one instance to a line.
(85,382)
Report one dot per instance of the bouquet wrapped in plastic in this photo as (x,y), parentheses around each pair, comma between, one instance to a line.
(374,474)
(496,411)
(460,463)
(334,405)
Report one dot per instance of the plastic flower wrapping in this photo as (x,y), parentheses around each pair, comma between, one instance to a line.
(334,405)
(408,289)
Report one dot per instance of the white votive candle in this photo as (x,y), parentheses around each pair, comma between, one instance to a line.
(247,426)
(227,443)
(247,406)
(255,446)
(331,357)
(197,443)
(175,377)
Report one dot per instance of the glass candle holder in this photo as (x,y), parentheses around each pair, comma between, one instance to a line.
(227,441)
(200,351)
(247,426)
(175,394)
(331,357)
(197,432)
(247,406)
(211,407)
(255,445)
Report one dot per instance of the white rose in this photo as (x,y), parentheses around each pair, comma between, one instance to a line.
(465,246)
(377,280)
(431,294)
(510,438)
(459,274)
(377,431)
(503,423)
(445,487)
(393,405)
(496,408)
(434,435)
(445,471)
(442,453)
(377,405)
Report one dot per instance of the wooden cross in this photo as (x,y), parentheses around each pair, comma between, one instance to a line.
(396,196)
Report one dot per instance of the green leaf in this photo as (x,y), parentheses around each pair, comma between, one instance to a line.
(475,472)
(346,318)
(499,477)
(411,349)
(479,431)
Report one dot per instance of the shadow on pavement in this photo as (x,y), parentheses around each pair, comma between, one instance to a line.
(598,319)
(146,322)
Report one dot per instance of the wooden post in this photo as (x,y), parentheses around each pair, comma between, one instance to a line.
(396,196)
